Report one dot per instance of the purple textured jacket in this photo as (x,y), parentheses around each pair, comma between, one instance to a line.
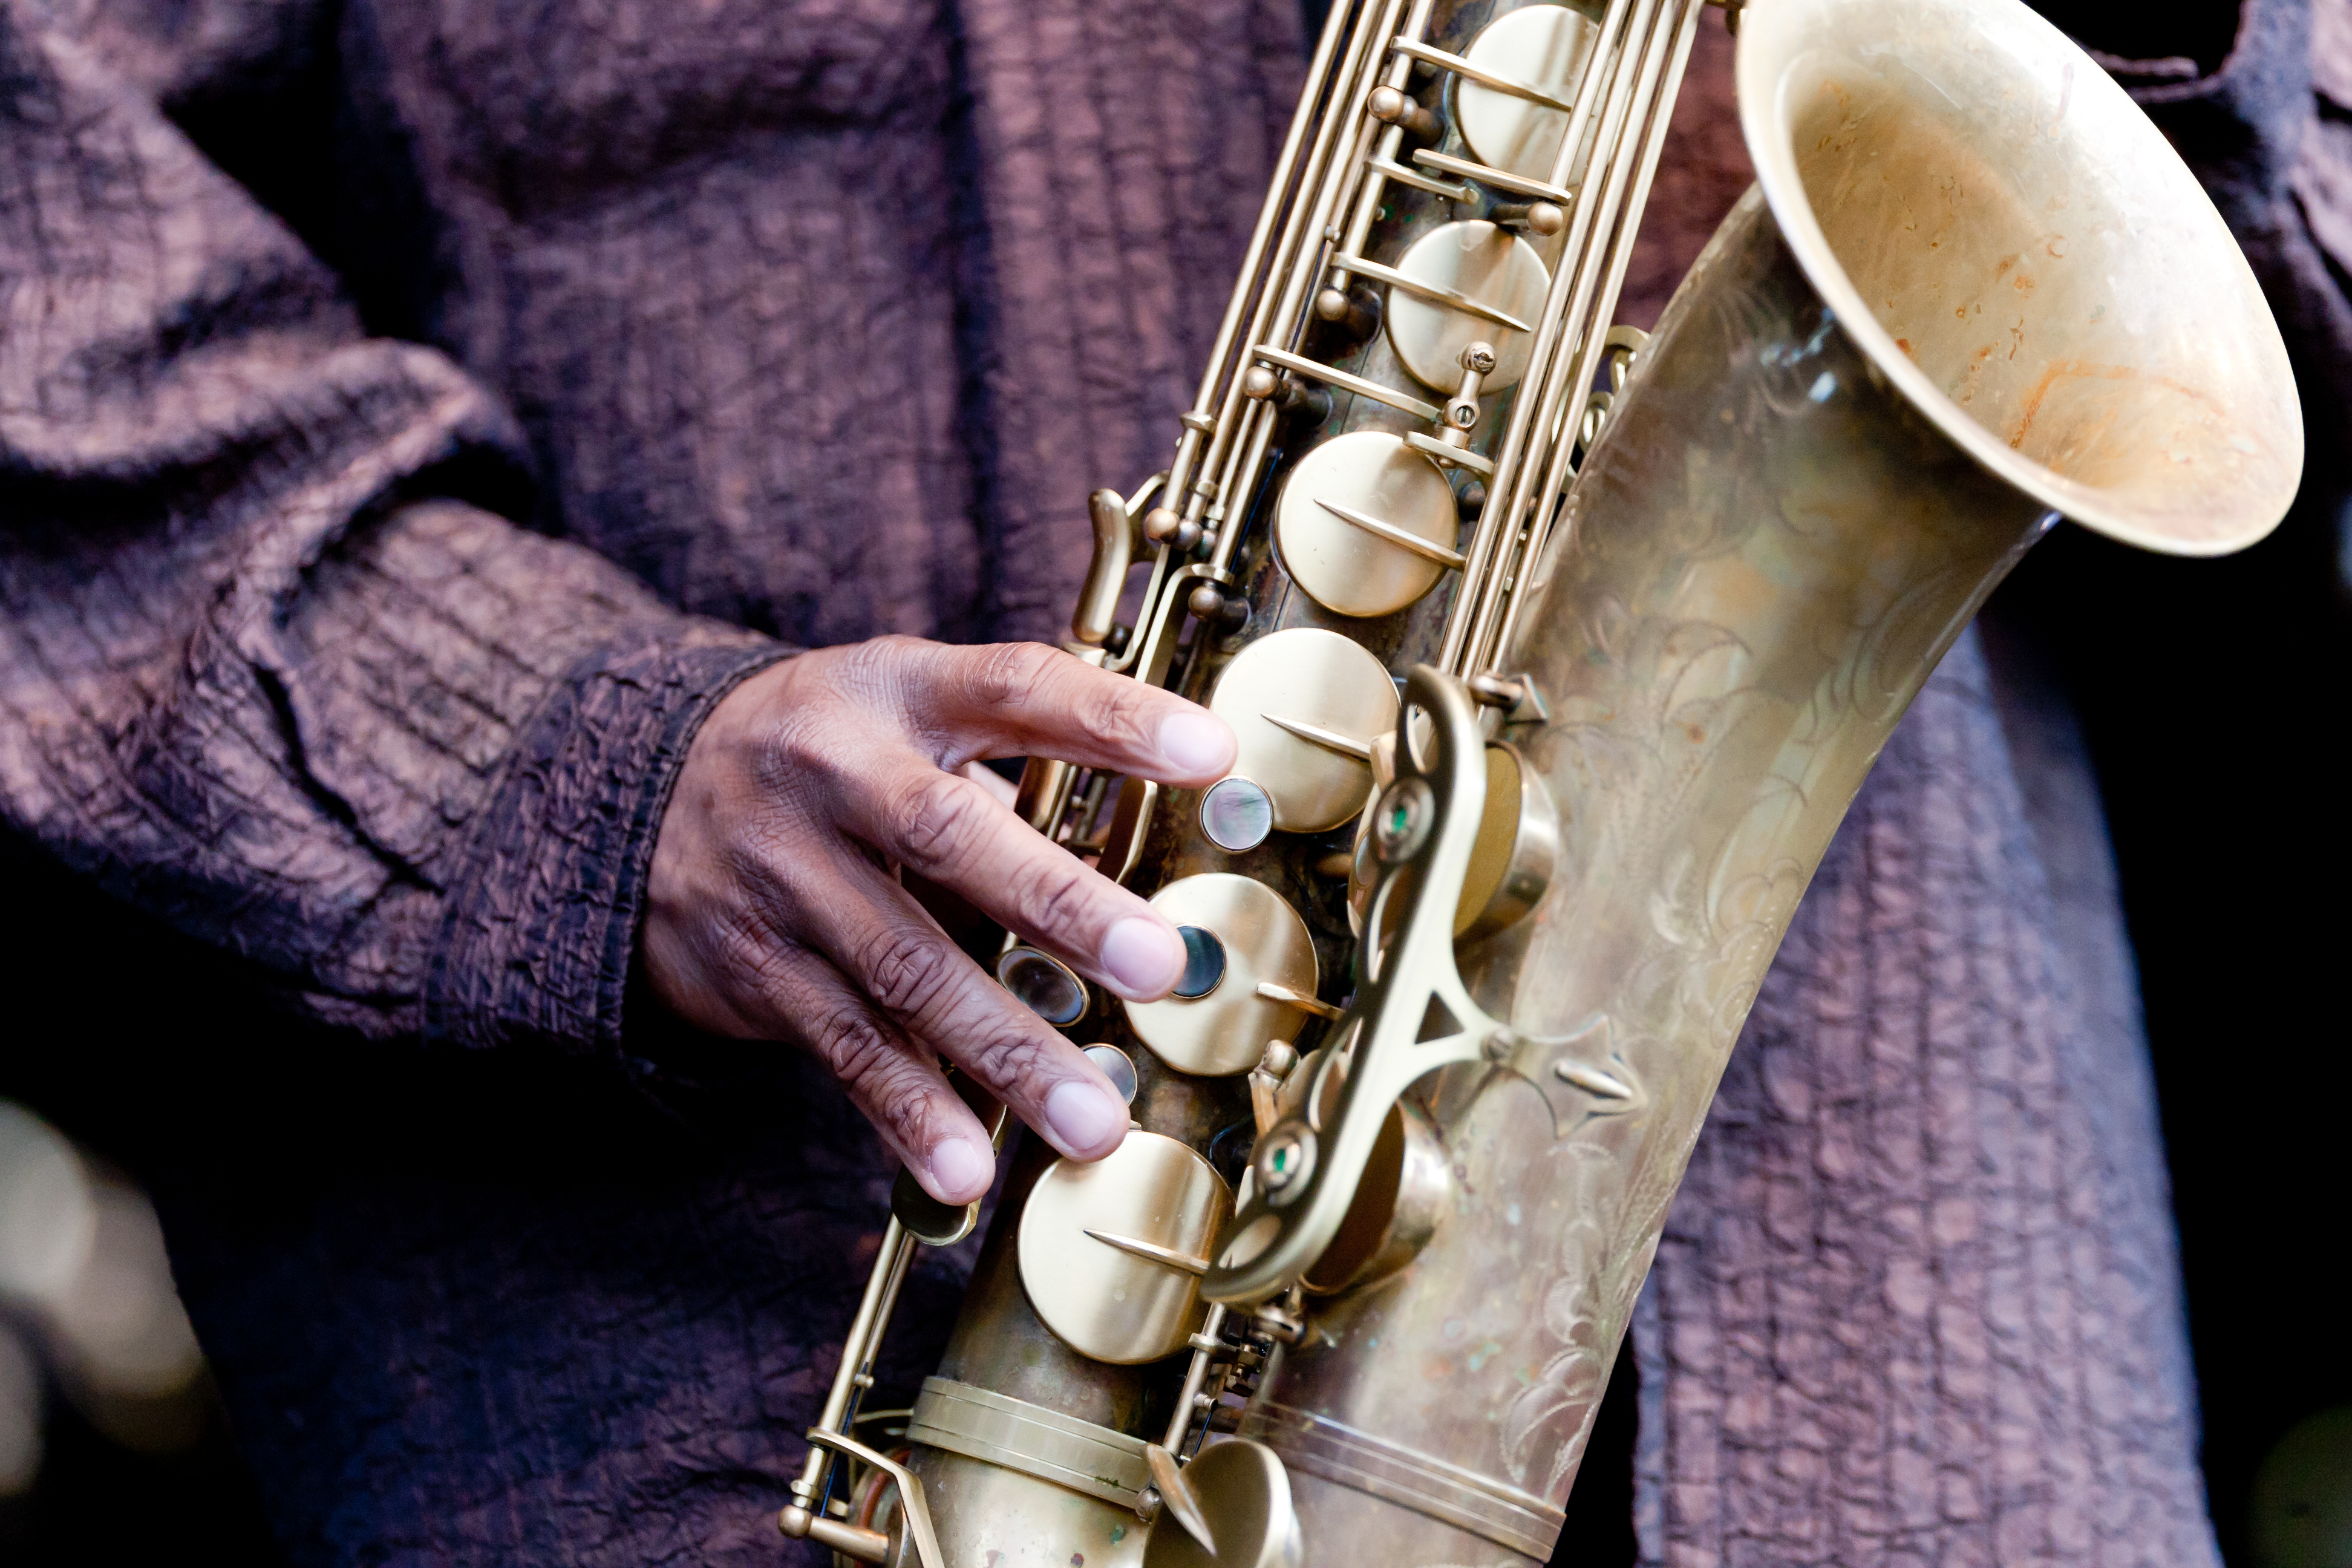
(414,416)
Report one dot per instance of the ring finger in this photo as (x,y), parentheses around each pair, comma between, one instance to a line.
(883,941)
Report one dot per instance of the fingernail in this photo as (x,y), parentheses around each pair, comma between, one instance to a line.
(1084,1117)
(1142,957)
(958,1165)
(1196,744)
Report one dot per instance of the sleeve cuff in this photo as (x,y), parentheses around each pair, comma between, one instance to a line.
(543,915)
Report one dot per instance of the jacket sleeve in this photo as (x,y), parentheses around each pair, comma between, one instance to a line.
(271,668)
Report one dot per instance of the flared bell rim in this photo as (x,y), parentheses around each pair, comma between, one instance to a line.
(1774,35)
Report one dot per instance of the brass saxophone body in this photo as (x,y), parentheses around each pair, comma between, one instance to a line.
(1556,654)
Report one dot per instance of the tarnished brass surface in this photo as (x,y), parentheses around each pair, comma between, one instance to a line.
(979,1507)
(1030,1438)
(2003,234)
(1304,703)
(1112,1252)
(1002,1346)
(1225,1030)
(1693,826)
(1417,1505)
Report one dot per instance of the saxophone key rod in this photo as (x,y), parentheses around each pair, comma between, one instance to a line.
(1305,211)
(1412,49)
(1344,264)
(1201,422)
(1388,168)
(1567,320)
(1535,409)
(1640,156)
(1387,104)
(1501,179)
(1402,402)
(1586,117)
(1205,1346)
(857,1351)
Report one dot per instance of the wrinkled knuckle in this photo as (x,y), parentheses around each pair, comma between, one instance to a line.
(1055,895)
(759,854)
(889,651)
(894,1089)
(872,676)
(1118,711)
(1013,674)
(903,1100)
(798,749)
(938,820)
(1003,1058)
(745,944)
(905,970)
(855,1047)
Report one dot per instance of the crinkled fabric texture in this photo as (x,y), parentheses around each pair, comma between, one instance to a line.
(490,1311)
(414,418)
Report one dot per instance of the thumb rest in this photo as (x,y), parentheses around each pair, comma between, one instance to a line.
(1518,818)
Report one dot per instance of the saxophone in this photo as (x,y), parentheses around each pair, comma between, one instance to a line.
(1556,654)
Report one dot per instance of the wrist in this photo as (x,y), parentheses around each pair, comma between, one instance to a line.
(545,912)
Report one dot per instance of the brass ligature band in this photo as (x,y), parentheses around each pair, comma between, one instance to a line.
(1555,653)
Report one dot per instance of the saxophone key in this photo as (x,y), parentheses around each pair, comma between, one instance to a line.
(1245,937)
(1517,851)
(1305,705)
(1459,284)
(1405,1191)
(1238,1495)
(1512,864)
(1543,45)
(1117,1067)
(1043,985)
(1365,525)
(1236,814)
(1111,1252)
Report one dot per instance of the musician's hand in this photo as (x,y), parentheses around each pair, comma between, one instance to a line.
(773,912)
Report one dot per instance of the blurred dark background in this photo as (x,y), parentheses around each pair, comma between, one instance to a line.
(2211,694)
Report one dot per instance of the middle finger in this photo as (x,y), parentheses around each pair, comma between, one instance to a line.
(952,832)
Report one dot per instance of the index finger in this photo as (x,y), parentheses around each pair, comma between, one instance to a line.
(1026,698)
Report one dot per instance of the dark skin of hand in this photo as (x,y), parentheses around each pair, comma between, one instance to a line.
(775,912)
